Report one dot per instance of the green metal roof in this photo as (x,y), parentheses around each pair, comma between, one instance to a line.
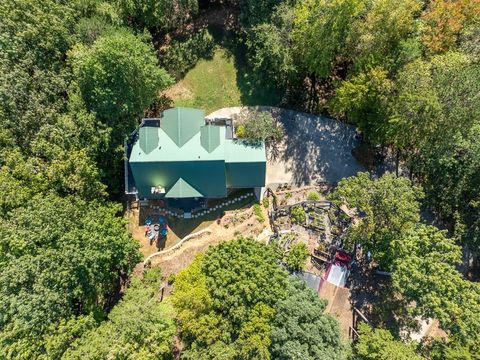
(182,189)
(191,159)
(245,174)
(210,137)
(167,150)
(237,151)
(148,139)
(181,124)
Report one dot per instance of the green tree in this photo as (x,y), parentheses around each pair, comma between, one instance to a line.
(162,15)
(118,77)
(270,48)
(224,301)
(200,326)
(254,335)
(301,329)
(441,94)
(321,31)
(297,256)
(60,336)
(70,172)
(138,327)
(438,141)
(424,272)
(365,99)
(34,39)
(385,33)
(59,257)
(388,208)
(261,278)
(9,185)
(254,12)
(442,349)
(379,344)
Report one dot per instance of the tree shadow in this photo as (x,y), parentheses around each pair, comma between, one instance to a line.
(376,298)
(180,227)
(316,148)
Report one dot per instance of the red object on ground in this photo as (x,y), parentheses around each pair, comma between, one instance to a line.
(342,256)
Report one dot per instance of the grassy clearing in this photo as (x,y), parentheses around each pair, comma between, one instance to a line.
(210,85)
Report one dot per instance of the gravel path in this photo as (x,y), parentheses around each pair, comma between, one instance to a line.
(315,148)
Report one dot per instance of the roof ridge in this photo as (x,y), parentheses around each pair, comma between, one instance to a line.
(179,128)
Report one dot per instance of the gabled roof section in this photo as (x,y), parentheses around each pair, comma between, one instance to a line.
(182,189)
(148,139)
(181,124)
(210,137)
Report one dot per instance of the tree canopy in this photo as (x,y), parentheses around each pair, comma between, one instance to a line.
(163,15)
(300,328)
(297,256)
(388,207)
(379,344)
(139,327)
(256,125)
(77,76)
(118,76)
(234,302)
(59,257)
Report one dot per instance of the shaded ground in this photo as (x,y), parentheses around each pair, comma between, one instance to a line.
(315,148)
(179,227)
(375,297)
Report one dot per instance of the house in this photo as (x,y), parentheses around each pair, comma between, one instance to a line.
(182,155)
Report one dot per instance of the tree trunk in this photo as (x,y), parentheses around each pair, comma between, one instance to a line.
(313,84)
(397,162)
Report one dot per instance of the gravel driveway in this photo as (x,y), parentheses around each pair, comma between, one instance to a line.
(315,148)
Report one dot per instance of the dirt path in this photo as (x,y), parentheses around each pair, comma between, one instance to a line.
(338,305)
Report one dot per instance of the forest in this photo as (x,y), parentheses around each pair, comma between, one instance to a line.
(76,77)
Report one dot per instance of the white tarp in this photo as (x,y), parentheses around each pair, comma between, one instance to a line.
(338,275)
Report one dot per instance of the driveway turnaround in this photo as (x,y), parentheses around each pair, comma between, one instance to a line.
(315,148)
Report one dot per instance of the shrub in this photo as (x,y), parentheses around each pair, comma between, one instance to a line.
(152,276)
(313,196)
(297,257)
(265,202)
(240,131)
(335,230)
(255,125)
(257,210)
(298,215)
